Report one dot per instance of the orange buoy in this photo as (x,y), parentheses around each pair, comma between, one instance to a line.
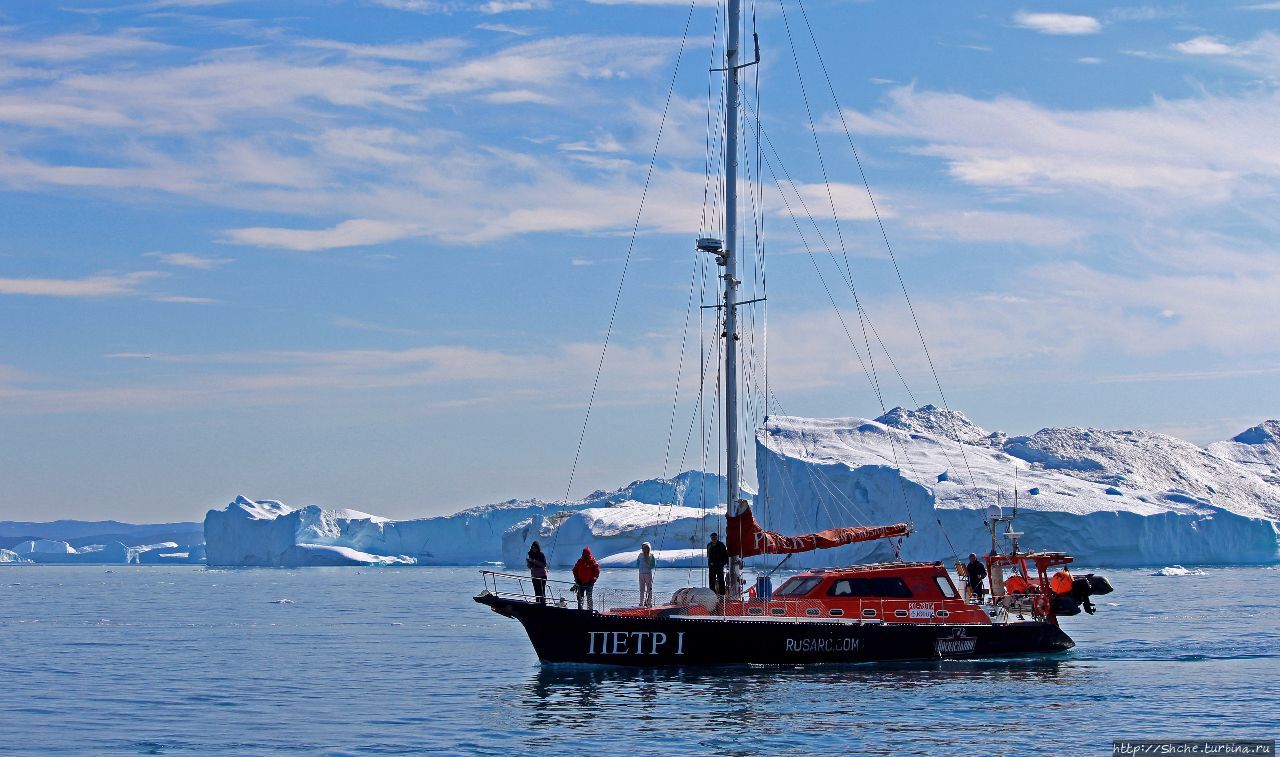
(1061,582)
(1015,584)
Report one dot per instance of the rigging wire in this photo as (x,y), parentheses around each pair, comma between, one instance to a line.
(819,478)
(631,246)
(818,270)
(867,371)
(884,234)
(804,241)
(847,271)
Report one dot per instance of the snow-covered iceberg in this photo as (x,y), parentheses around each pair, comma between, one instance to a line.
(1107,497)
(270,533)
(1257,449)
(677,533)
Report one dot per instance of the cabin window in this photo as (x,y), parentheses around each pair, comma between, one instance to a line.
(835,612)
(813,612)
(948,590)
(797,586)
(890,587)
(777,611)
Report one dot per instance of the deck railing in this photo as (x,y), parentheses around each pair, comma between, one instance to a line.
(518,586)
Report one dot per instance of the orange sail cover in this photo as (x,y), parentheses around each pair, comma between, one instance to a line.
(746,538)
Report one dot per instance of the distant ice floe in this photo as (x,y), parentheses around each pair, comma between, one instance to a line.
(1178,570)
(1108,497)
(54,551)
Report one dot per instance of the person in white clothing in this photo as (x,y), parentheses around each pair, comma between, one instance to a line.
(645,563)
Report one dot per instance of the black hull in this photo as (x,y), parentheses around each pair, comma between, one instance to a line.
(561,634)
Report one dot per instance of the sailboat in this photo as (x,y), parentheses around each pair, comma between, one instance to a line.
(889,611)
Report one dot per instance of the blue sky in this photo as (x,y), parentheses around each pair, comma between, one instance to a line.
(363,253)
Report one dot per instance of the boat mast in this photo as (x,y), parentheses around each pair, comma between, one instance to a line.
(734,22)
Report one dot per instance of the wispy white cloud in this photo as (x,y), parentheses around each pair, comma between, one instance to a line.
(426,51)
(184,299)
(1057,23)
(187,260)
(353,233)
(643,2)
(850,200)
(494,7)
(154,5)
(413,6)
(98,285)
(1206,149)
(638,373)
(996,226)
(1205,45)
(1146,12)
(519,31)
(61,48)
(1161,376)
(323,147)
(354,323)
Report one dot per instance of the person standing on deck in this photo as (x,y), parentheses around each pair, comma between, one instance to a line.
(537,563)
(976,573)
(717,561)
(585,573)
(645,563)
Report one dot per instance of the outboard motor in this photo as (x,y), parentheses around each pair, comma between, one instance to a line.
(1086,586)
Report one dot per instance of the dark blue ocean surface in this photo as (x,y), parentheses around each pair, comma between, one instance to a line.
(169,660)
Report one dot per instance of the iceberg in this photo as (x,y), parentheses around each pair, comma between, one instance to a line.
(1109,497)
(1257,449)
(108,542)
(678,534)
(9,556)
(52,551)
(55,551)
(44,547)
(1178,570)
(265,533)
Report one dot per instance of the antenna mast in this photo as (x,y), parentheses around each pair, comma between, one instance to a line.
(730,276)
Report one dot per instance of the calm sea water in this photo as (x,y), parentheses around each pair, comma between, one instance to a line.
(169,660)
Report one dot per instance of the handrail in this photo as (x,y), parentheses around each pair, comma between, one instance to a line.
(524,577)
(557,592)
(881,610)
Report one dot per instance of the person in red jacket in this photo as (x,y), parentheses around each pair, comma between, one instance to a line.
(585,572)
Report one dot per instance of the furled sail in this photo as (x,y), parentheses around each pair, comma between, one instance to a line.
(746,538)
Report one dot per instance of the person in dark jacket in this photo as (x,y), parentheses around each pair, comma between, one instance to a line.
(976,573)
(717,561)
(537,563)
(585,573)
